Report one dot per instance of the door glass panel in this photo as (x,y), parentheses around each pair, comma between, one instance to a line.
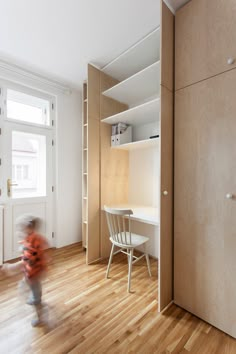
(27,108)
(28,165)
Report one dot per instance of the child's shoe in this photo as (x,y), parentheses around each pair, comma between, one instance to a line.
(35,322)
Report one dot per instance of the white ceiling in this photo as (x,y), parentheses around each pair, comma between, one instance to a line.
(57,38)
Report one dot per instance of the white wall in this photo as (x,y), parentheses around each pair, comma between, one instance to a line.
(144,189)
(69,166)
(144,176)
(1,234)
(152,232)
(68,154)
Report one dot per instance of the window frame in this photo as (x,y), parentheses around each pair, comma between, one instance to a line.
(5,85)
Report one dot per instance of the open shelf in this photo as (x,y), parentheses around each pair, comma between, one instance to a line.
(137,88)
(139,56)
(146,112)
(142,144)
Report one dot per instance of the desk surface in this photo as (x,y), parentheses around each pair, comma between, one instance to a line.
(148,215)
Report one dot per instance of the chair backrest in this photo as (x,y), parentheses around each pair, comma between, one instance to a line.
(117,220)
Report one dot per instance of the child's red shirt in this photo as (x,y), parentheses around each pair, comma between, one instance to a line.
(33,256)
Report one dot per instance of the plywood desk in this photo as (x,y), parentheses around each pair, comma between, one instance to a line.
(148,215)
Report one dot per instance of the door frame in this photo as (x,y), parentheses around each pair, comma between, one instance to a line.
(8,84)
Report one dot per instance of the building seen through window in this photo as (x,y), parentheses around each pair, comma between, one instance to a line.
(28,164)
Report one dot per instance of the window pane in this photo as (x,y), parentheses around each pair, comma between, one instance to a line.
(26,108)
(13,172)
(25,172)
(28,165)
(18,172)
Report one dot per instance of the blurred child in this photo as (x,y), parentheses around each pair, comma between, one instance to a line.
(33,262)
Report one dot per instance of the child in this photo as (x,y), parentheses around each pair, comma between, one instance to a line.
(33,261)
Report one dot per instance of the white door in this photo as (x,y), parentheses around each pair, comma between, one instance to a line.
(27,164)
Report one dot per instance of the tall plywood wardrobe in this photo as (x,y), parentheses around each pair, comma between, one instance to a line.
(105,169)
(205,162)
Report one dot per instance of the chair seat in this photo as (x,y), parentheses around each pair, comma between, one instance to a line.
(137,240)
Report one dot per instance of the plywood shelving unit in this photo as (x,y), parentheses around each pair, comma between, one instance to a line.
(124,66)
(140,90)
(137,89)
(141,144)
(84,167)
(149,110)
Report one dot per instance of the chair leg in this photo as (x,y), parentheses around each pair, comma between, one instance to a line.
(110,260)
(148,261)
(148,264)
(130,268)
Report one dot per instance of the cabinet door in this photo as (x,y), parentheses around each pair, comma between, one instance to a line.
(165,276)
(205,38)
(167,47)
(205,200)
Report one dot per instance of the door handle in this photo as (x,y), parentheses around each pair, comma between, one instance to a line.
(9,185)
(229,196)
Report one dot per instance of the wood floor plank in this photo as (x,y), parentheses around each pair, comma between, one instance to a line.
(91,314)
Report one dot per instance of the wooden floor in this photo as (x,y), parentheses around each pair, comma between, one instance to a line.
(91,314)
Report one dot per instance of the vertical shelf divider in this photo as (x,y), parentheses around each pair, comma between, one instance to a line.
(84,166)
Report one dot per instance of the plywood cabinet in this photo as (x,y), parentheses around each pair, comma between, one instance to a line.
(167,47)
(205,204)
(205,162)
(205,40)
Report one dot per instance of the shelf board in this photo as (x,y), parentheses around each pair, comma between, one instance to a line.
(86,100)
(137,88)
(142,54)
(145,113)
(86,124)
(142,144)
(85,149)
(85,198)
(85,222)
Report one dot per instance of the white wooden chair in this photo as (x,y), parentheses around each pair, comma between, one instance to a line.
(122,237)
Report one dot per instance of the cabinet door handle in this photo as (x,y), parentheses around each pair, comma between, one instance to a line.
(230,61)
(165,193)
(229,196)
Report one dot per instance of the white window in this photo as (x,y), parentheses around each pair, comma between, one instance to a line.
(27,108)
